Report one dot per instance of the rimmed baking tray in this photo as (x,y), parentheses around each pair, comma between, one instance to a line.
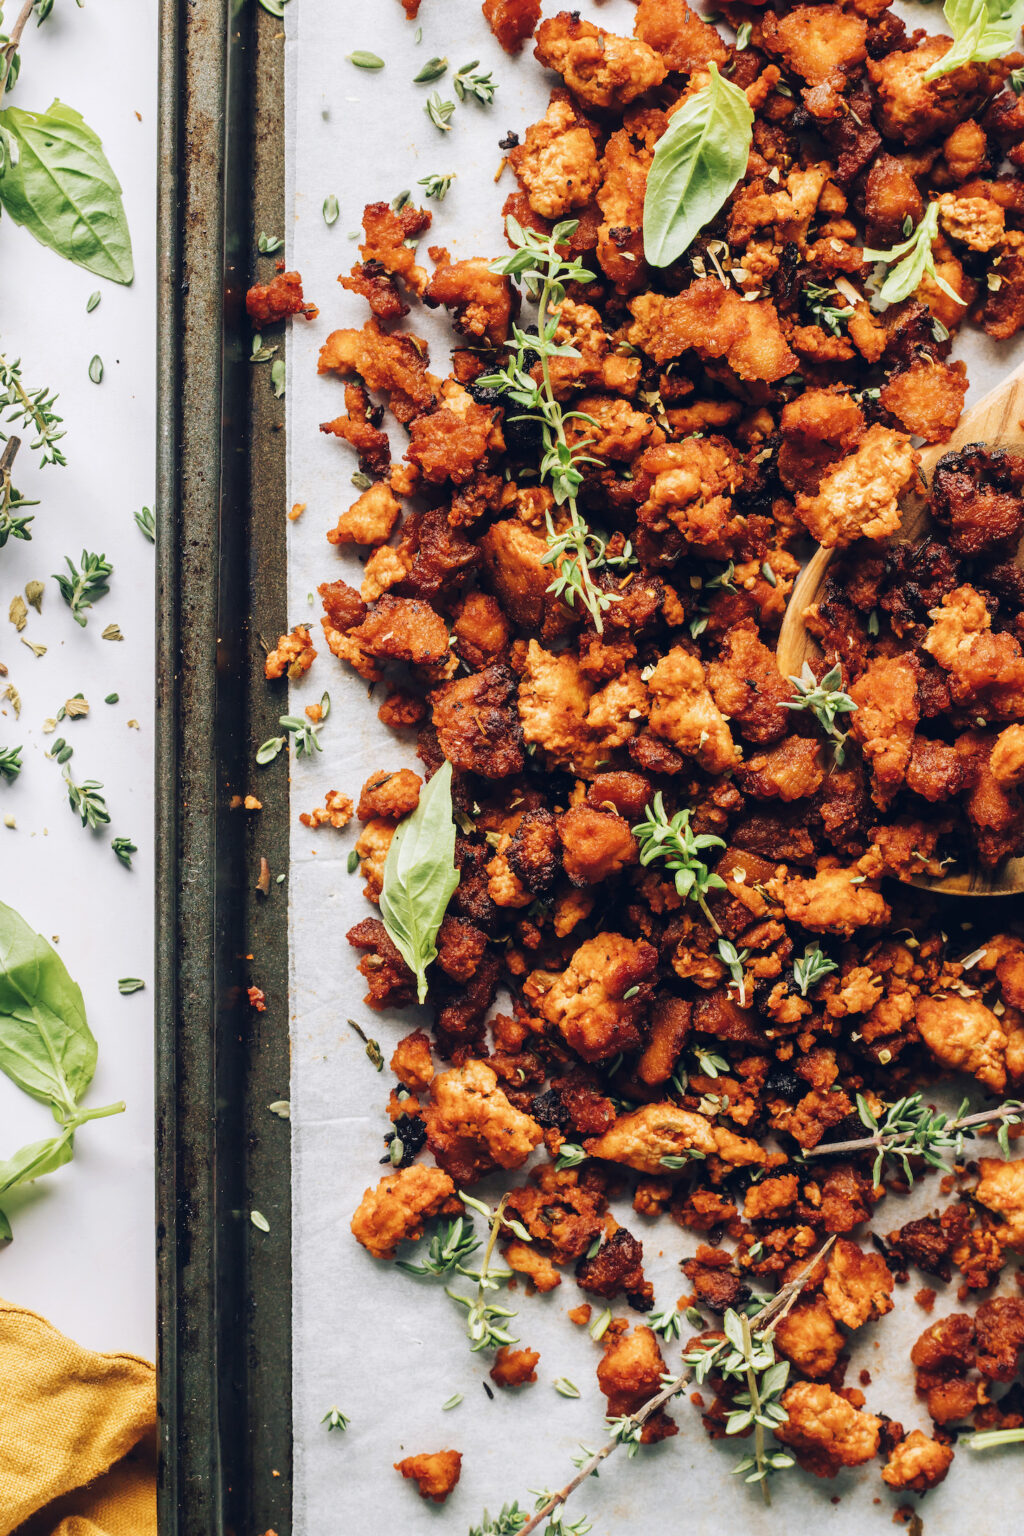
(224,1283)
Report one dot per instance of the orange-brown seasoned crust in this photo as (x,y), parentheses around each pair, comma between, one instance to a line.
(730,411)
(389,794)
(628,1373)
(396,1210)
(512,21)
(435,1473)
(293,654)
(514,1367)
(266,303)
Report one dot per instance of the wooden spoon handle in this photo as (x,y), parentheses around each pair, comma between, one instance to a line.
(995,419)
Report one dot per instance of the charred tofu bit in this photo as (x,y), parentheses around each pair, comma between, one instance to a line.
(691,961)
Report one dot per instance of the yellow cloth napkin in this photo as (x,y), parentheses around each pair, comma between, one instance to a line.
(77,1435)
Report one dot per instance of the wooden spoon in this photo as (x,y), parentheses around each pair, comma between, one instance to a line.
(995,419)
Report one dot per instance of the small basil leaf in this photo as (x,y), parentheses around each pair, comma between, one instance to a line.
(982,30)
(697,162)
(420,876)
(46,1045)
(35,1160)
(62,190)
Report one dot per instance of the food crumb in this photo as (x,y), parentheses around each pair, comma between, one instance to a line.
(257,999)
(925,1298)
(336,811)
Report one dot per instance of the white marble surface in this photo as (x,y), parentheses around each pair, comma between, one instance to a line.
(83,1250)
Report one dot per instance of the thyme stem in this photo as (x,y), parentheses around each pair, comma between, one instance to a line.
(755,1404)
(770,1315)
(883,1141)
(10,48)
(578,527)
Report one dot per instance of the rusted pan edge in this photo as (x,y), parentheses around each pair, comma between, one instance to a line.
(224,1285)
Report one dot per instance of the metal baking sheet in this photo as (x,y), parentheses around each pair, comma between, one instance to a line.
(224,1304)
(386,1350)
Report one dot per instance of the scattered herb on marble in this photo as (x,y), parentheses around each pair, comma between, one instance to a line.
(469,81)
(437,186)
(81,588)
(87,802)
(129,984)
(335,1419)
(10,762)
(433,69)
(440,112)
(31,408)
(146,523)
(268,245)
(259,1221)
(363,60)
(124,848)
(96,369)
(331,210)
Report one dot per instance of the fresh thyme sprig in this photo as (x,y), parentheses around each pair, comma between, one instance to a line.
(437,186)
(509,1522)
(10,762)
(812,968)
(440,112)
(32,409)
(821,303)
(80,589)
(734,959)
(87,802)
(335,1419)
(825,700)
(146,523)
(542,272)
(13,523)
(485,1320)
(749,1356)
(763,1324)
(668,1324)
(910,1129)
(671,839)
(468,82)
(307,740)
(124,848)
(447,1250)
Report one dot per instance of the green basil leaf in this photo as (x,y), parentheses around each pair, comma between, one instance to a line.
(35,1160)
(982,30)
(697,162)
(62,190)
(420,876)
(46,1045)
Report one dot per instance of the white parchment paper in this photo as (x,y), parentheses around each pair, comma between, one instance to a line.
(387,1349)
